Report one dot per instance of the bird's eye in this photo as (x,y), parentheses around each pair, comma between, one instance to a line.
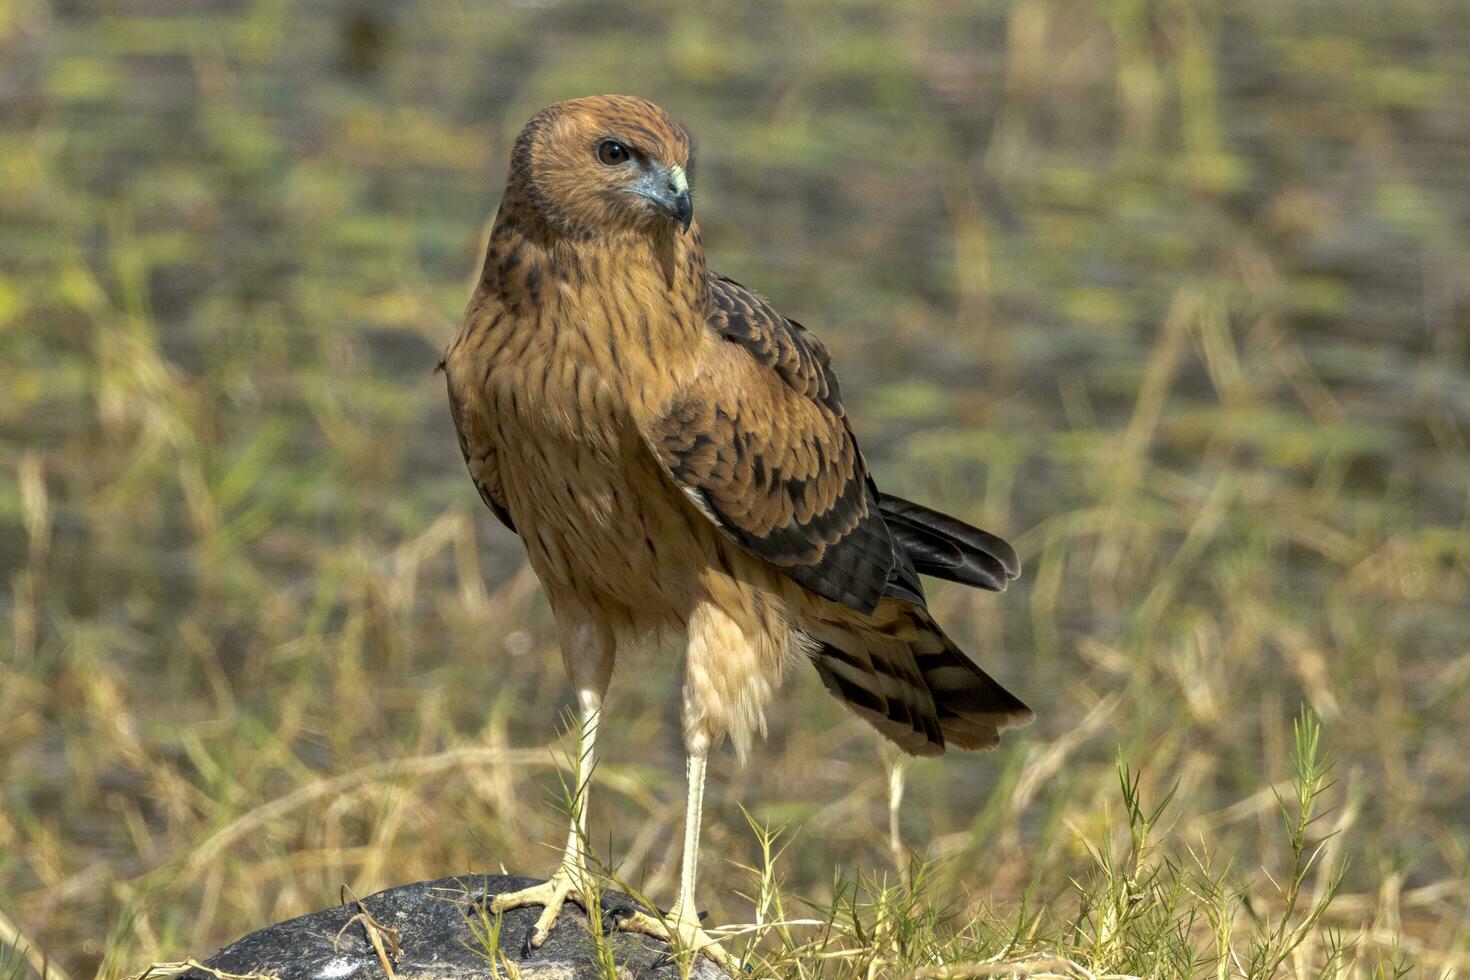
(612,153)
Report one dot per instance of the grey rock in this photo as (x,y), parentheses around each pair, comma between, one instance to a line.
(436,922)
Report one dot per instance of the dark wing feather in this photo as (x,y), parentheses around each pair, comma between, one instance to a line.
(948,548)
(760,441)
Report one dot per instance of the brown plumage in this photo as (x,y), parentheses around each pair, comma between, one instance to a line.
(676,457)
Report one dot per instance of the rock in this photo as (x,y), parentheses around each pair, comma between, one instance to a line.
(436,922)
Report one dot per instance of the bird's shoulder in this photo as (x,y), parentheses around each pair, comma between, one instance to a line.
(792,352)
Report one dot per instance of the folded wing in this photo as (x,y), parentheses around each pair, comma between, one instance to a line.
(760,442)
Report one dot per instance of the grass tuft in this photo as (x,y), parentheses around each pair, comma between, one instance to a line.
(1142,908)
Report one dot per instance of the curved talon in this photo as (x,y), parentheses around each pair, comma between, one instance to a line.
(614,914)
(691,938)
(551,894)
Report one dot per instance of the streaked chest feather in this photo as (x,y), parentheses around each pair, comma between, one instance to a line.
(554,393)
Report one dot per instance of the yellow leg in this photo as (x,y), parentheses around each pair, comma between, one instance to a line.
(680,928)
(570,881)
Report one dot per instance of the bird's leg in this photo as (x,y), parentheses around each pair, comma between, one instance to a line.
(693,817)
(571,880)
(682,921)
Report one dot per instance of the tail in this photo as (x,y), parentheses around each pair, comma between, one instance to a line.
(900,673)
(947,548)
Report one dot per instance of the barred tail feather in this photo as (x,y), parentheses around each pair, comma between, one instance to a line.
(973,708)
(879,683)
(908,680)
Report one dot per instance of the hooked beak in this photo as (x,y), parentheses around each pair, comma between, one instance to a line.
(669,190)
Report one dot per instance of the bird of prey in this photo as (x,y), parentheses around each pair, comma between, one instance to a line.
(675,456)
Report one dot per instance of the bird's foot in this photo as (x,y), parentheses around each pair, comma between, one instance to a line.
(681,930)
(563,886)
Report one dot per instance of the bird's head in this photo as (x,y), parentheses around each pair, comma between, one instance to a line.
(605,164)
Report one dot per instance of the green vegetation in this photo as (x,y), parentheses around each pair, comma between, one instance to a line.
(1171,293)
(1139,911)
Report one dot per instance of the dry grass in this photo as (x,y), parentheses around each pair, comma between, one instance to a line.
(1171,293)
(1141,909)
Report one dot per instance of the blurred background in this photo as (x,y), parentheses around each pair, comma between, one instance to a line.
(1172,294)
